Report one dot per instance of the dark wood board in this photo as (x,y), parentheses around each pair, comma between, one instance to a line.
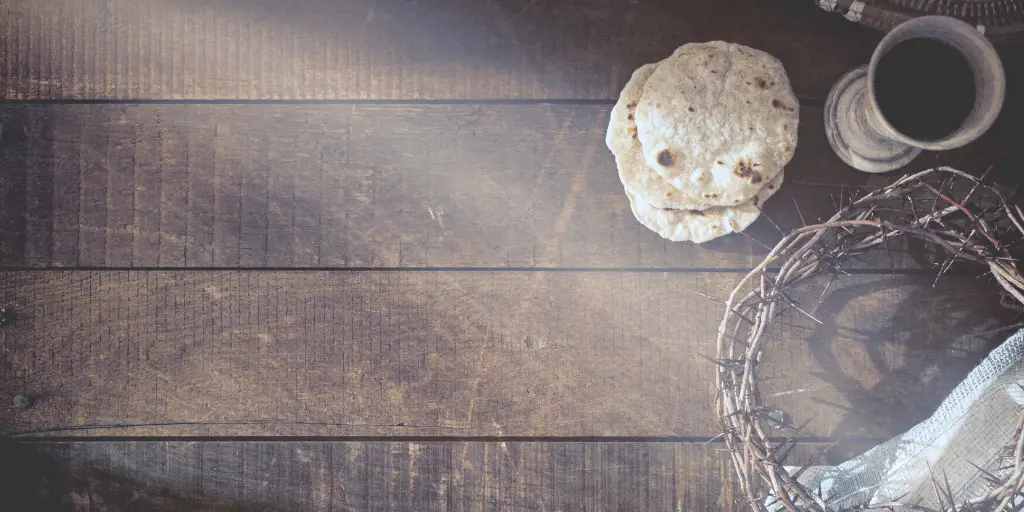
(327,186)
(371,353)
(441,372)
(392,49)
(368,476)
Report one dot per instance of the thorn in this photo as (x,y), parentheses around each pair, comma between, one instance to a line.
(977,184)
(762,244)
(790,440)
(719,436)
(991,478)
(985,174)
(798,308)
(772,221)
(942,270)
(801,215)
(885,247)
(725,363)
(706,296)
(835,275)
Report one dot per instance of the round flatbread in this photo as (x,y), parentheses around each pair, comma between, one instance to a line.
(623,141)
(702,225)
(715,122)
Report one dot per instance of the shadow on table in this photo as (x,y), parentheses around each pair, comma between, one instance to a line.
(31,480)
(931,340)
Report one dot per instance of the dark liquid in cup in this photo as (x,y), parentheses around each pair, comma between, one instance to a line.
(924,88)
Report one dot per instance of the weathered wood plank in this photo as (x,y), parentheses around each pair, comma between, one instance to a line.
(465,353)
(93,189)
(146,204)
(368,476)
(39,195)
(323,49)
(201,210)
(67,222)
(14,172)
(362,186)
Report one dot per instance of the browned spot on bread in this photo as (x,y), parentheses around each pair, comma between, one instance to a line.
(631,105)
(690,109)
(720,162)
(668,194)
(697,213)
(761,83)
(657,105)
(782,106)
(630,117)
(786,147)
(771,187)
(665,158)
(755,200)
(710,196)
(747,170)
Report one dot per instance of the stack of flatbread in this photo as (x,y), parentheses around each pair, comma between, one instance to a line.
(700,139)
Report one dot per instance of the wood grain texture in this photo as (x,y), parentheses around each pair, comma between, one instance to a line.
(391,49)
(370,476)
(318,186)
(465,353)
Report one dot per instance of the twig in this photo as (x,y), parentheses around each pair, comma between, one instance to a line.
(863,223)
(961,208)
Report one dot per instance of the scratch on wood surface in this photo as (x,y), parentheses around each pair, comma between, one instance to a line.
(578,184)
(414,452)
(556,147)
(369,14)
(322,481)
(438,216)
(504,447)
(457,476)
(527,6)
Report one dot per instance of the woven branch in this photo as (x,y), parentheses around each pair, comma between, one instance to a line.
(965,218)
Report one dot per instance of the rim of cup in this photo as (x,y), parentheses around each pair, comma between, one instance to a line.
(989,77)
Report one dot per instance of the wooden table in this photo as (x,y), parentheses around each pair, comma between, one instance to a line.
(374,255)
